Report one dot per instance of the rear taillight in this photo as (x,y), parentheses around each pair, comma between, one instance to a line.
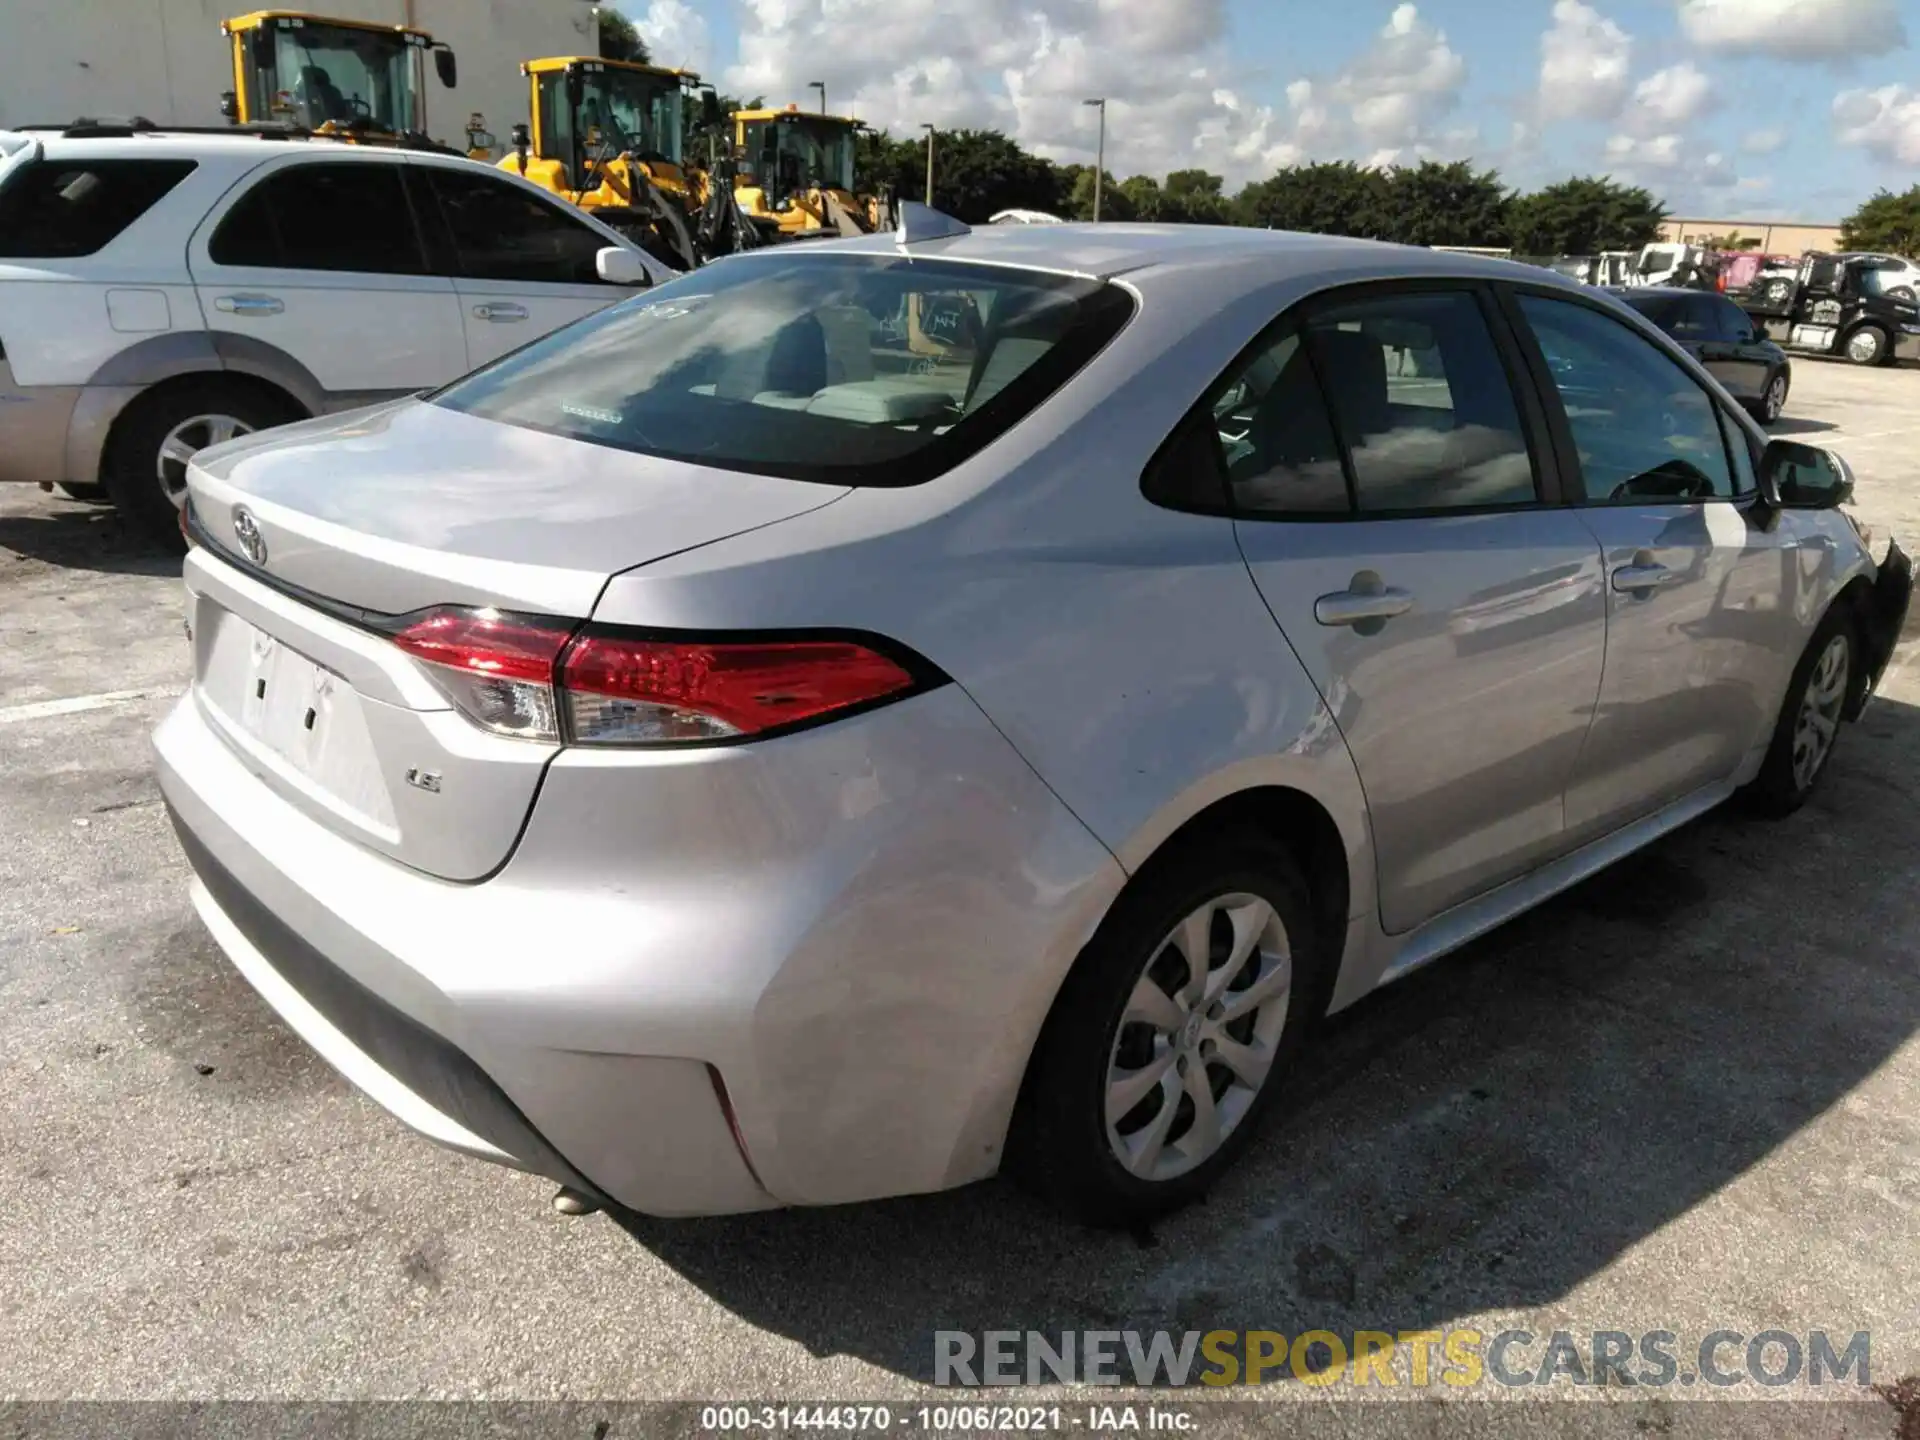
(653,692)
(532,678)
(496,668)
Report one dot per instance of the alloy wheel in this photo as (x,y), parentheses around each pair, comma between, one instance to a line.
(186,440)
(1864,347)
(1776,400)
(1819,718)
(1198,1037)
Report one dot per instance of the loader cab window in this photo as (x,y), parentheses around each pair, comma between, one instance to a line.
(315,74)
(799,152)
(589,113)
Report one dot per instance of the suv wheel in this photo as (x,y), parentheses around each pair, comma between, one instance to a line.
(1868,346)
(1773,401)
(1810,718)
(146,473)
(1170,1038)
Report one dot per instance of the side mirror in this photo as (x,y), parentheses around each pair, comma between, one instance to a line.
(618,266)
(521,137)
(230,107)
(709,108)
(1803,477)
(445,66)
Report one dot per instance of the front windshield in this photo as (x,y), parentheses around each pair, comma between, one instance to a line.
(341,75)
(808,152)
(838,369)
(632,112)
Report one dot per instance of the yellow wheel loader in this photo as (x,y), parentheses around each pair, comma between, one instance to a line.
(351,79)
(796,174)
(606,135)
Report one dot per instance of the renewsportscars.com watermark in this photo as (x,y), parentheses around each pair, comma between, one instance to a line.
(1459,1359)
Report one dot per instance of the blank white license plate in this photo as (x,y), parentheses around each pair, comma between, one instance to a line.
(297,710)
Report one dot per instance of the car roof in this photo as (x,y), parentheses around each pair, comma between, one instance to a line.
(1103,251)
(192,145)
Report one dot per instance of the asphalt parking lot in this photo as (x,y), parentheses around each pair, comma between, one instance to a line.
(1685,1096)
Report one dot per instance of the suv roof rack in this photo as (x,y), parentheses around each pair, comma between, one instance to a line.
(120,127)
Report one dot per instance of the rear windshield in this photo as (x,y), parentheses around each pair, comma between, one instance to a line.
(837,368)
(55,210)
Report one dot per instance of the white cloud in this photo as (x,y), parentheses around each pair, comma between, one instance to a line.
(676,34)
(1885,122)
(1672,161)
(1175,93)
(1794,29)
(1584,59)
(1671,98)
(1763,142)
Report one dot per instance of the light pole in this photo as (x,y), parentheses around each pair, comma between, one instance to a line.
(1100,155)
(821,86)
(929,130)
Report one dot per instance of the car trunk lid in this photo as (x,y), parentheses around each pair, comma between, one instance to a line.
(320,535)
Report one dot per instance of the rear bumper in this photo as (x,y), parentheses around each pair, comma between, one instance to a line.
(1887,613)
(34,421)
(858,929)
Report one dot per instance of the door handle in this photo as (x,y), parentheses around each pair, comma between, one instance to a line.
(500,314)
(248,305)
(1644,576)
(1367,604)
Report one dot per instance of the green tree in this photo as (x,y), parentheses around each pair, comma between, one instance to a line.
(1140,196)
(1115,203)
(1193,197)
(1435,204)
(1332,197)
(1583,215)
(975,173)
(619,40)
(1887,222)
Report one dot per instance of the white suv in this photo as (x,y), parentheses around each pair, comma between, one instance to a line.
(162,290)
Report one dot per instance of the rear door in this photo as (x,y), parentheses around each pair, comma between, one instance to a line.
(1394,502)
(1702,594)
(523,265)
(324,262)
(1727,345)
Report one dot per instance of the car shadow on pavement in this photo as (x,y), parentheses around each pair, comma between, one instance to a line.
(1484,1136)
(1796,425)
(79,536)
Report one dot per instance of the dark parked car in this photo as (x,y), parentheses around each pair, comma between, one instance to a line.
(1725,339)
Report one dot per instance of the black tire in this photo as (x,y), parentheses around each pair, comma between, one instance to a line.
(130,471)
(1765,409)
(86,494)
(1781,787)
(1882,346)
(1060,1147)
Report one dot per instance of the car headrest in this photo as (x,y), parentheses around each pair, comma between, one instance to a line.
(1355,368)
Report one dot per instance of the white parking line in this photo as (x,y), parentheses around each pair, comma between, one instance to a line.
(46,709)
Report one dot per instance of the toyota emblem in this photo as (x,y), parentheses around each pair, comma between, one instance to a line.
(246,530)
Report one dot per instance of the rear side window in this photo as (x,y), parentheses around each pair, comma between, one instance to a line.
(323,217)
(1422,402)
(1394,405)
(876,370)
(54,210)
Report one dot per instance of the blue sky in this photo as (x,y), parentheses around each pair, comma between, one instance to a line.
(1750,109)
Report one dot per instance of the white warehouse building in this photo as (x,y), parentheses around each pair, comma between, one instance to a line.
(167,60)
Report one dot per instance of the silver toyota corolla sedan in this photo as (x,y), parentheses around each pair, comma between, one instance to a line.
(865,715)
